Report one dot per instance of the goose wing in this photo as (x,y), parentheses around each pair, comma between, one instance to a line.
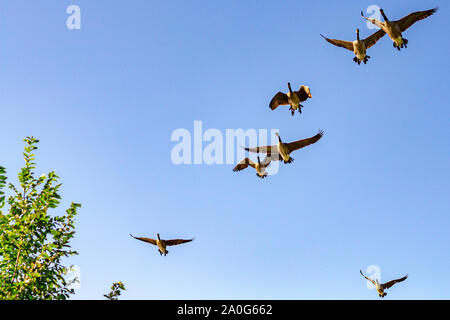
(304,142)
(412,18)
(372,39)
(376,22)
(389,284)
(279,99)
(265,163)
(367,278)
(302,94)
(244,164)
(266,149)
(340,43)
(175,242)
(152,241)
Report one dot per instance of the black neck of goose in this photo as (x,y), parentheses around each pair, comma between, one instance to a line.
(289,86)
(158,236)
(279,139)
(384,16)
(259,161)
(357,35)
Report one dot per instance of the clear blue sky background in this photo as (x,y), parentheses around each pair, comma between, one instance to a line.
(105,99)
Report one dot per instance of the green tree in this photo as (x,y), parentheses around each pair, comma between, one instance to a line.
(33,243)
(115,291)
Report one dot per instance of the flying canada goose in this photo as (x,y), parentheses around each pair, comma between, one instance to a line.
(259,166)
(359,47)
(282,151)
(292,98)
(162,244)
(383,286)
(394,29)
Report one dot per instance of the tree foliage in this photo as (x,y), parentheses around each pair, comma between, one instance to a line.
(115,291)
(34,243)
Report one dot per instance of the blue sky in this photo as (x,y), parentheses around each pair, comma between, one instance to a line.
(104,101)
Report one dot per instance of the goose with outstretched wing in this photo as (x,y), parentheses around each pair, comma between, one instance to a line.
(383,286)
(162,244)
(359,47)
(259,166)
(394,29)
(282,151)
(292,98)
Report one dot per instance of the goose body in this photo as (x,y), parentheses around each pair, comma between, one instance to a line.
(394,29)
(282,151)
(162,244)
(359,47)
(292,98)
(259,166)
(380,287)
